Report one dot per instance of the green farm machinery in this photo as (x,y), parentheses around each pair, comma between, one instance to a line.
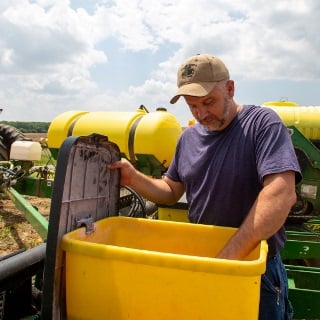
(82,191)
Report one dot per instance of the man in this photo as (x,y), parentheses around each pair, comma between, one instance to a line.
(238,168)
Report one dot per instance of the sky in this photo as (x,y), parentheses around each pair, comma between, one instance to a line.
(58,56)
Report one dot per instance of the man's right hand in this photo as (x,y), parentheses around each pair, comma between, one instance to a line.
(128,172)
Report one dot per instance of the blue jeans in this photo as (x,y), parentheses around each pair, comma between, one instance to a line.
(274,302)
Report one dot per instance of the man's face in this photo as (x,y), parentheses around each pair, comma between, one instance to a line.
(213,110)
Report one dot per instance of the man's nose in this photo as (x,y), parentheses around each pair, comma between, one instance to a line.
(202,112)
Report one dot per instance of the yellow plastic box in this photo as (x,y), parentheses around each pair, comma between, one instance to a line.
(132,268)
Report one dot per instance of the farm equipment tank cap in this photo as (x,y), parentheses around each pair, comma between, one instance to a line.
(198,75)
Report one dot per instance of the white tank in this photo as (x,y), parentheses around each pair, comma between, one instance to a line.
(25,150)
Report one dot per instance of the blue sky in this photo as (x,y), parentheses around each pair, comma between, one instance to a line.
(62,55)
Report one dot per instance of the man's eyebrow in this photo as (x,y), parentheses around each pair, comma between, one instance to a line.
(208,99)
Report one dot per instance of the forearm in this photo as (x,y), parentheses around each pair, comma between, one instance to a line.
(261,223)
(155,190)
(164,191)
(265,218)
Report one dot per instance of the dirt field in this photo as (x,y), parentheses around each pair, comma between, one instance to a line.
(15,231)
(35,136)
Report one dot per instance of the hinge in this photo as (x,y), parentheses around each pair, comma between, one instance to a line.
(86,222)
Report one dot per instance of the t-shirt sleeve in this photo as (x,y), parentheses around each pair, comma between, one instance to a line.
(275,152)
(172,172)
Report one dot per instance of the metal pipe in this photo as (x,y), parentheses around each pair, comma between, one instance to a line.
(21,265)
(38,222)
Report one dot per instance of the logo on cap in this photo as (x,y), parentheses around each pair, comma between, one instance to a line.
(188,70)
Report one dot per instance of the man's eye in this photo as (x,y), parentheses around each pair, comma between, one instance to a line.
(208,103)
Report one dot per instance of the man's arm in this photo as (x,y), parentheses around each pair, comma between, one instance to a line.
(266,216)
(162,191)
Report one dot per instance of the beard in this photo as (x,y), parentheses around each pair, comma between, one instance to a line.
(213,123)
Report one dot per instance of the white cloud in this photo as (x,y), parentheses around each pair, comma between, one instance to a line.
(48,47)
(51,51)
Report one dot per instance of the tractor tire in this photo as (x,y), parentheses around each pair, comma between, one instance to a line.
(8,135)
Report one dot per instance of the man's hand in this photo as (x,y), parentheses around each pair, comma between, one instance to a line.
(128,172)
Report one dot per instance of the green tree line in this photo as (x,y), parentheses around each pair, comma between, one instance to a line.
(28,127)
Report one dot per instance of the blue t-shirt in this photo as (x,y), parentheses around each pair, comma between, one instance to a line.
(223,172)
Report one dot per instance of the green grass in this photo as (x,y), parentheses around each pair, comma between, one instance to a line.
(46,158)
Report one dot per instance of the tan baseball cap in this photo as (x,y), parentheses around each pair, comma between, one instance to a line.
(198,75)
